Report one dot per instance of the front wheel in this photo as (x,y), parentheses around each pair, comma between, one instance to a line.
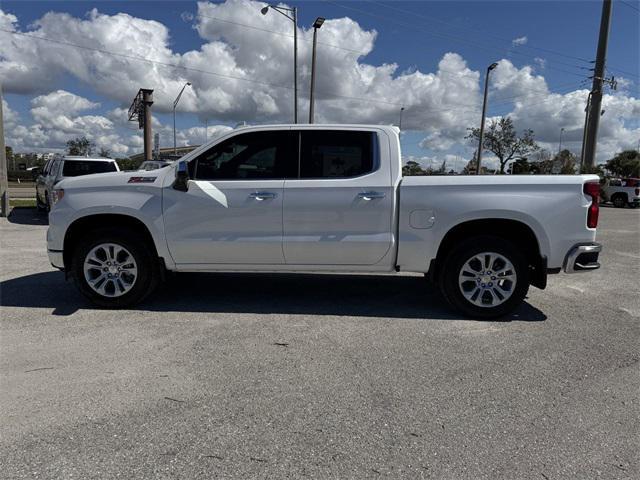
(485,277)
(114,267)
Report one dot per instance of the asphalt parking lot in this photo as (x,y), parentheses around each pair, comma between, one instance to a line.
(345,376)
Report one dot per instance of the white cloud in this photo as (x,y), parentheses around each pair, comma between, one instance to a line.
(516,42)
(241,73)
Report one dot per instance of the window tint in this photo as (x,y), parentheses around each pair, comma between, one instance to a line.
(336,154)
(255,155)
(76,168)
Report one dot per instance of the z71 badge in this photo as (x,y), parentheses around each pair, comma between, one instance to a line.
(142,179)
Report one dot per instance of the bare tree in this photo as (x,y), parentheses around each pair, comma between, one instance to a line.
(502,139)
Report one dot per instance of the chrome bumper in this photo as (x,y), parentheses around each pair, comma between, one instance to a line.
(582,258)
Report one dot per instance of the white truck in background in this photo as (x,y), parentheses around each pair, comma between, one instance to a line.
(322,198)
(622,192)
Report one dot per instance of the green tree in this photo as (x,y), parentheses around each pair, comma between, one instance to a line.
(520,166)
(502,139)
(127,164)
(624,164)
(567,162)
(9,153)
(80,146)
(104,153)
(413,169)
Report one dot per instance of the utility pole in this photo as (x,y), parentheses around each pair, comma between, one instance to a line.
(560,142)
(147,100)
(400,123)
(316,25)
(140,110)
(4,185)
(484,114)
(593,116)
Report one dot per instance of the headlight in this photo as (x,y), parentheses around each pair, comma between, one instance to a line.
(56,196)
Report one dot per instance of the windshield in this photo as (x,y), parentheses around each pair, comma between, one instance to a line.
(76,168)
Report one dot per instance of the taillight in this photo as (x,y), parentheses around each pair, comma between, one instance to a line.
(593,190)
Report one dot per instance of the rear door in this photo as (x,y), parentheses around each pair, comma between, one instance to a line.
(339,209)
(232,211)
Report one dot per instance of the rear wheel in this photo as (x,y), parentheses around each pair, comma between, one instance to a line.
(485,277)
(114,267)
(619,201)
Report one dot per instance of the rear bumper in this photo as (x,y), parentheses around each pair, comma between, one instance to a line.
(582,258)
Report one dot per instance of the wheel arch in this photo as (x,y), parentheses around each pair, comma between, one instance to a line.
(103,220)
(518,232)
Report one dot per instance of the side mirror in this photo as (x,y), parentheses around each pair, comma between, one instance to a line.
(182,177)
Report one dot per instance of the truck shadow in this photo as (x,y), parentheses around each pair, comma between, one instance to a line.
(28,216)
(381,296)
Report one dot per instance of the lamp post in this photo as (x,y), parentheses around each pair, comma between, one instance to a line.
(484,113)
(175,104)
(400,122)
(560,142)
(316,25)
(291,14)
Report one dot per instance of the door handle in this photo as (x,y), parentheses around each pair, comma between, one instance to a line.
(371,195)
(260,196)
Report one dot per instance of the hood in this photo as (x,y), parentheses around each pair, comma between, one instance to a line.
(115,179)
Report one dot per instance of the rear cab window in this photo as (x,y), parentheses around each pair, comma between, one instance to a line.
(337,153)
(76,168)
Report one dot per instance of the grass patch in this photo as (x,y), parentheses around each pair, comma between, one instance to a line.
(22,202)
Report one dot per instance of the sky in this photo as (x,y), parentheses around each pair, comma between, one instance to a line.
(72,68)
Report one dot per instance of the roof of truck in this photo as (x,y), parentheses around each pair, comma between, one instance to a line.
(87,159)
(318,126)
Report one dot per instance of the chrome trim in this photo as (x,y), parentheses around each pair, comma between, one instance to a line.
(570,260)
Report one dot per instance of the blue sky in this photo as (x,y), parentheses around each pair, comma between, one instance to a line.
(413,35)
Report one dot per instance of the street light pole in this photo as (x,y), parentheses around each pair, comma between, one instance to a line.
(175,104)
(484,113)
(560,143)
(316,25)
(291,14)
(400,122)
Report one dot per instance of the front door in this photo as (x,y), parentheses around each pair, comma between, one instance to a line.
(232,211)
(340,209)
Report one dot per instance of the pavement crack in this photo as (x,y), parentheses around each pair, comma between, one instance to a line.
(174,400)
(38,369)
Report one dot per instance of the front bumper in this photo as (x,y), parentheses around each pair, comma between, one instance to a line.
(582,258)
(55,257)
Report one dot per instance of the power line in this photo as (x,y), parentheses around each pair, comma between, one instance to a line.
(484,32)
(629,5)
(172,65)
(181,67)
(444,35)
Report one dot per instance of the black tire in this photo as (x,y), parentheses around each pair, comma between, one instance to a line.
(148,275)
(41,207)
(619,201)
(457,258)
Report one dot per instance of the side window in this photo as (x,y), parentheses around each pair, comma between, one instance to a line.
(248,156)
(55,166)
(336,153)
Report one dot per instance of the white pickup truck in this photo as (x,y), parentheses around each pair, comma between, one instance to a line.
(322,198)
